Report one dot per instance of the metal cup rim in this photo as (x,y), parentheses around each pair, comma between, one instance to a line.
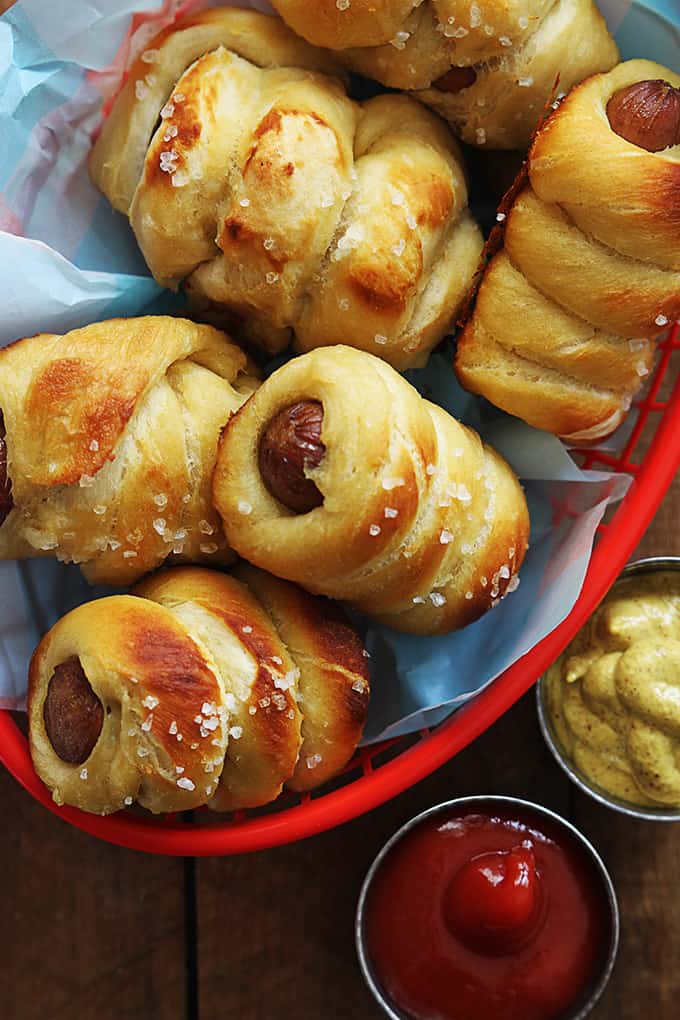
(485,799)
(646,565)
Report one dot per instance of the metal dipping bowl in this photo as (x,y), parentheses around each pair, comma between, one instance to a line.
(483,804)
(654,564)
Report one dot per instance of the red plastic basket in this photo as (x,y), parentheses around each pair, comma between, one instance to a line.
(651,455)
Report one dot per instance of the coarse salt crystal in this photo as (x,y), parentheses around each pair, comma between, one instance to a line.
(469,595)
(205,527)
(641,369)
(475,16)
(160,525)
(400,40)
(343,304)
(172,728)
(186,784)
(513,584)
(380,338)
(129,554)
(431,469)
(312,760)
(342,5)
(437,599)
(150,702)
(523,22)
(661,320)
(244,202)
(446,536)
(142,752)
(504,572)
(247,629)
(504,41)
(411,222)
(94,445)
(480,136)
(500,217)
(179,97)
(236,732)
(418,600)
(99,510)
(252,710)
(141,89)
(167,111)
(161,500)
(391,511)
(180,178)
(374,530)
(127,801)
(271,278)
(392,483)
(208,548)
(264,702)
(525,83)
(244,507)
(171,132)
(150,56)
(83,773)
(398,249)
(86,481)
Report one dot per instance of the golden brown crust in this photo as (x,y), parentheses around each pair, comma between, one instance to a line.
(421,525)
(200,688)
(334,684)
(276,199)
(111,438)
(592,257)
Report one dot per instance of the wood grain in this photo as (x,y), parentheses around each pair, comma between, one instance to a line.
(88,931)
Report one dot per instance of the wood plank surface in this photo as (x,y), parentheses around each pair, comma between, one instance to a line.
(88,931)
(98,933)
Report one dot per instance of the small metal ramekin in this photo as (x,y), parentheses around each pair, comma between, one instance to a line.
(652,564)
(479,803)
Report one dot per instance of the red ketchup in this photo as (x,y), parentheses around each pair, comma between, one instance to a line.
(498,916)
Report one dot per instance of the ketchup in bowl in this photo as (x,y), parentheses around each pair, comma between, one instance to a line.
(487,909)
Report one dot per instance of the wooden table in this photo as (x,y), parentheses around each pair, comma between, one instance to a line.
(96,933)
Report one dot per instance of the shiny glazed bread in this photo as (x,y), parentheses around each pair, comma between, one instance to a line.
(279,202)
(591,257)
(488,67)
(108,439)
(204,689)
(338,475)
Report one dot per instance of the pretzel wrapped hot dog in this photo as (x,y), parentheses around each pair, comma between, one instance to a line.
(204,689)
(488,67)
(591,257)
(338,475)
(109,439)
(279,202)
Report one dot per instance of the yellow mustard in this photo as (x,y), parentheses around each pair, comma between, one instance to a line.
(614,695)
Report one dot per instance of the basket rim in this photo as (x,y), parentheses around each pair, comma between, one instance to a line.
(172,838)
